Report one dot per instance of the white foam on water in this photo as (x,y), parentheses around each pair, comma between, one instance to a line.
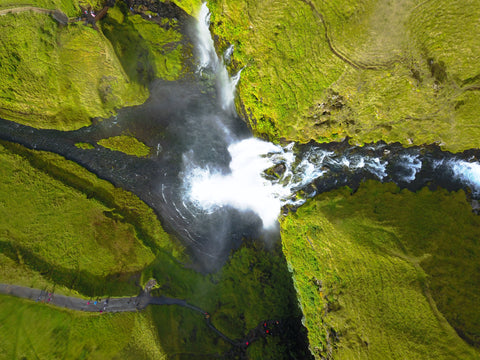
(413,164)
(376,167)
(244,188)
(469,172)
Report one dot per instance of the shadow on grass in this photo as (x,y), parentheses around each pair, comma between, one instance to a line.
(85,186)
(117,284)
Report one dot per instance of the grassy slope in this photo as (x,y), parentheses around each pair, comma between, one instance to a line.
(61,77)
(145,49)
(71,8)
(31,330)
(384,270)
(50,224)
(404,70)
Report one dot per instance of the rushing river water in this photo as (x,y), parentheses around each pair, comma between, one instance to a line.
(207,178)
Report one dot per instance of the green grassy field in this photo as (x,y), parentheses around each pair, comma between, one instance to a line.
(368,70)
(69,7)
(77,230)
(72,76)
(383,273)
(56,229)
(38,331)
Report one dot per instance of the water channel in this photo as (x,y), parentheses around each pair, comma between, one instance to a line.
(213,184)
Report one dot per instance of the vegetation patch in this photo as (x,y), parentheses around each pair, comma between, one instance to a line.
(84,146)
(126,144)
(191,7)
(385,273)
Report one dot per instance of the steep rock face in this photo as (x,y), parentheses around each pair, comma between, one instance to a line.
(404,71)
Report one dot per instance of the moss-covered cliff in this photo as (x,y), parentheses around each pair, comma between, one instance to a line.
(384,274)
(368,70)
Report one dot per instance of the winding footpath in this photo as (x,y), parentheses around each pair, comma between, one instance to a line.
(126,304)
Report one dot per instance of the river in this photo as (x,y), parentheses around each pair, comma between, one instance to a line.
(213,184)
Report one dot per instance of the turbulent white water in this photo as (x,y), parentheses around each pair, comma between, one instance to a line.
(468,172)
(412,164)
(244,188)
(247,187)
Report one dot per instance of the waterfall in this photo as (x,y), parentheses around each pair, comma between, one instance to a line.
(263,177)
(206,54)
(209,61)
(244,188)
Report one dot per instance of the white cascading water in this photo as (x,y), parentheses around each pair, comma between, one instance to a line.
(208,59)
(467,172)
(413,164)
(206,54)
(246,186)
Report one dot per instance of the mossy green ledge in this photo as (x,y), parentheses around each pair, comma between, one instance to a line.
(368,70)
